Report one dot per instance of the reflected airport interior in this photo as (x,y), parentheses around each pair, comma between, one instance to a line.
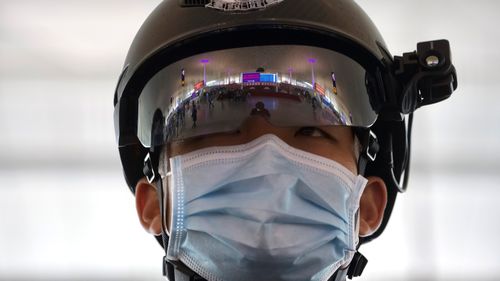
(206,109)
(302,86)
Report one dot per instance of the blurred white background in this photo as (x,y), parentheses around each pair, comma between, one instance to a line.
(66,213)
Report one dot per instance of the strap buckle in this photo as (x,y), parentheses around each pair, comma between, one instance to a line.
(372,146)
(357,265)
(148,169)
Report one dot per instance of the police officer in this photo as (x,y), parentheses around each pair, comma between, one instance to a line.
(291,195)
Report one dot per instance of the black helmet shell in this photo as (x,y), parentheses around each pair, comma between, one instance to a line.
(171,23)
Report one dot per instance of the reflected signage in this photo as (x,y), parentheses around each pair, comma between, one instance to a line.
(319,89)
(254,77)
(251,77)
(199,85)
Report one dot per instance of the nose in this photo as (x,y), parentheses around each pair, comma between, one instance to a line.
(257,125)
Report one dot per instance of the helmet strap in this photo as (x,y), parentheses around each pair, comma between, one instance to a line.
(176,271)
(357,265)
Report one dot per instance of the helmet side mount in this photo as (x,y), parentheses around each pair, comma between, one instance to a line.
(427,75)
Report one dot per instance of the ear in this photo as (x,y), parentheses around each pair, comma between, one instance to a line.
(148,208)
(372,206)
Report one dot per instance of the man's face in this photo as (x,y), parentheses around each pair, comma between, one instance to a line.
(333,142)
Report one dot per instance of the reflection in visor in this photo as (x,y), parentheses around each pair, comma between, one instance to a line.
(287,85)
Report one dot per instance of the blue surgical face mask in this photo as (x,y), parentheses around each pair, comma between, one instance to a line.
(261,211)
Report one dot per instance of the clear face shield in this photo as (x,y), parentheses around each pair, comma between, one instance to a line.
(288,85)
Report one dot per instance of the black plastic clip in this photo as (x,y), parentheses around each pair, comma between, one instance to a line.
(165,267)
(372,146)
(148,169)
(357,265)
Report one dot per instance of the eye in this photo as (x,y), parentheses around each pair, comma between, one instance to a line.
(312,132)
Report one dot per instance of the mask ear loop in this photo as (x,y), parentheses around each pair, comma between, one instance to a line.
(154,177)
(163,175)
(172,270)
(357,264)
(369,149)
(167,270)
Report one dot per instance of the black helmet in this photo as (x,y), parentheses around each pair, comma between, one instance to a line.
(182,33)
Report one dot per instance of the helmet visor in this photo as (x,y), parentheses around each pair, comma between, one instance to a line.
(289,85)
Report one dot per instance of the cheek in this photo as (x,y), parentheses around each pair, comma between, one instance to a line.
(179,148)
(341,153)
(344,157)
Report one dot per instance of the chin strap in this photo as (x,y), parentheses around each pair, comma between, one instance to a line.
(357,265)
(176,271)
